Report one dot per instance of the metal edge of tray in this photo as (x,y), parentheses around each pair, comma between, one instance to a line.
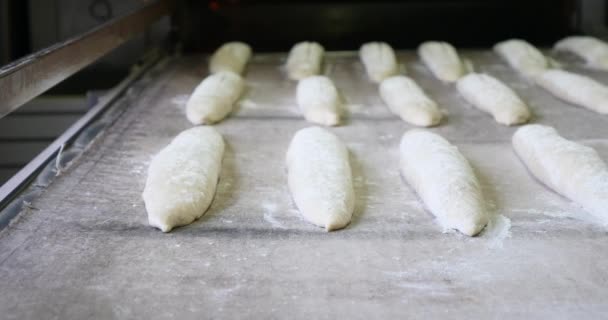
(10,201)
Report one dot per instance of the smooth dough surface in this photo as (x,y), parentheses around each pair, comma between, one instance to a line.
(523,57)
(214,97)
(407,100)
(491,95)
(320,178)
(442,59)
(318,100)
(379,60)
(232,56)
(594,51)
(182,178)
(576,89)
(569,168)
(444,180)
(304,60)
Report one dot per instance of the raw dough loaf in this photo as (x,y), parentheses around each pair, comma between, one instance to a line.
(182,178)
(442,59)
(232,56)
(575,89)
(491,95)
(304,60)
(444,180)
(319,101)
(213,99)
(379,60)
(320,178)
(572,169)
(592,50)
(523,57)
(406,99)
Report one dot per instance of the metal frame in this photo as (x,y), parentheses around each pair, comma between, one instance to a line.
(30,76)
(11,189)
(26,78)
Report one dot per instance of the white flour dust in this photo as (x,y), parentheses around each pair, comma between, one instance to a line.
(269,211)
(497,230)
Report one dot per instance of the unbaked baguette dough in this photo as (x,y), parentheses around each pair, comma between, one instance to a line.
(491,95)
(592,50)
(319,101)
(379,60)
(304,60)
(407,100)
(320,178)
(444,180)
(571,169)
(213,99)
(576,89)
(523,57)
(442,59)
(182,178)
(232,56)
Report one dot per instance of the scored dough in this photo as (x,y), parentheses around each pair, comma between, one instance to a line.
(442,59)
(571,169)
(522,56)
(320,178)
(379,60)
(576,89)
(444,180)
(214,97)
(592,50)
(232,56)
(182,178)
(304,60)
(491,95)
(407,100)
(319,101)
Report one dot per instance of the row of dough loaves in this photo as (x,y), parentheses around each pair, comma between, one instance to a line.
(182,178)
(319,100)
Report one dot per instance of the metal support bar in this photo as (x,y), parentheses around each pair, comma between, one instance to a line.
(30,76)
(19,181)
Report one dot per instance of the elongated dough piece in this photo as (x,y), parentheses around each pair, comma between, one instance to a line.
(407,100)
(379,60)
(571,169)
(444,180)
(320,178)
(319,101)
(213,99)
(592,50)
(182,178)
(522,57)
(491,95)
(442,59)
(232,56)
(304,60)
(576,89)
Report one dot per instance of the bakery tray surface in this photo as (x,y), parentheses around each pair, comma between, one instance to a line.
(84,249)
